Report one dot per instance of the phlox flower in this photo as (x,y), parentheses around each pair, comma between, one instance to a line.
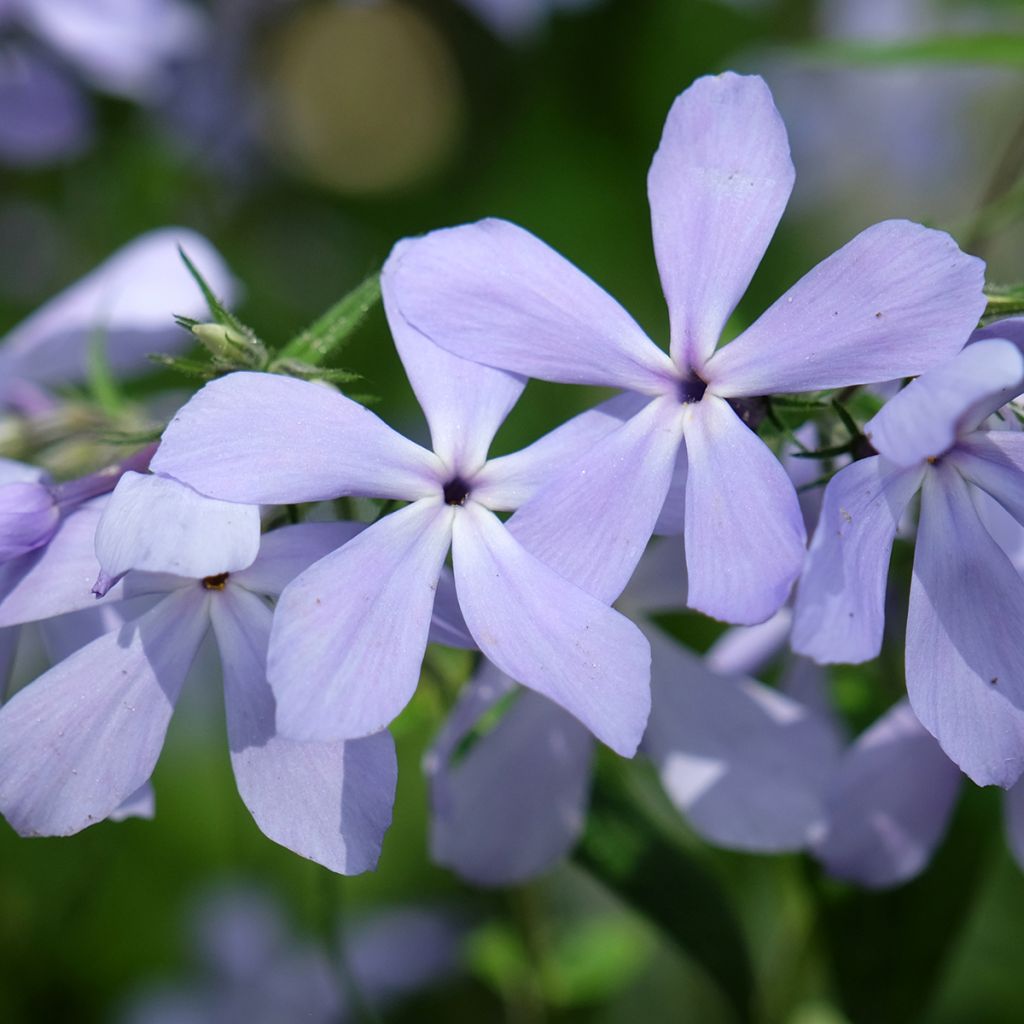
(121,47)
(85,735)
(128,302)
(893,302)
(964,657)
(350,633)
(746,765)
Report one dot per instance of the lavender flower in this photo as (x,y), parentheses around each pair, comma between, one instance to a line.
(121,47)
(128,302)
(81,739)
(349,634)
(747,766)
(964,660)
(895,301)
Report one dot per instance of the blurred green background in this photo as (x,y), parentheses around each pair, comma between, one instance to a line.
(364,123)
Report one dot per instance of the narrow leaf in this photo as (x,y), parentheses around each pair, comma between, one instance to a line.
(1006,49)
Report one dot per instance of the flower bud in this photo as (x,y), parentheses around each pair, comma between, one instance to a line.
(231,346)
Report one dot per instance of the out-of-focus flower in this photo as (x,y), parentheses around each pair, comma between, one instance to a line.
(718,186)
(50,48)
(516,20)
(81,739)
(964,661)
(349,634)
(746,765)
(253,968)
(127,303)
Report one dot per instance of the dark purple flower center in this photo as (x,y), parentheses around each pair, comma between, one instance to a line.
(215,582)
(691,390)
(456,491)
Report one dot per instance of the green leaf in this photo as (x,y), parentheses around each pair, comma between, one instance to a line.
(1005,49)
(306,371)
(1003,300)
(888,949)
(189,367)
(638,858)
(328,334)
(218,310)
(102,383)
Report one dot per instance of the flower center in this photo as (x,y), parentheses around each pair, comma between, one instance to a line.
(456,491)
(215,582)
(691,390)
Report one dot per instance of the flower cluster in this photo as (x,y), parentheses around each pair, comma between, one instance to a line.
(322,625)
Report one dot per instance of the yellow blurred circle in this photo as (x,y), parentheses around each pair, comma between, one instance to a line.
(365,97)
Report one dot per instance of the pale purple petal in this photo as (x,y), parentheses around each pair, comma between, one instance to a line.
(140,804)
(350,632)
(67,634)
(121,46)
(659,582)
(13,472)
(894,302)
(717,187)
(154,523)
(1013,822)
(510,480)
(1012,329)
(28,518)
(592,522)
(744,531)
(327,802)
(745,650)
(965,661)
(514,804)
(840,603)
(83,737)
(747,765)
(496,294)
(290,550)
(447,624)
(889,803)
(672,521)
(464,402)
(994,461)
(129,301)
(263,438)
(925,419)
(548,634)
(57,578)
(45,116)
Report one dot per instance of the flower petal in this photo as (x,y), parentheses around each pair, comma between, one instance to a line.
(717,187)
(548,634)
(350,632)
(28,518)
(140,804)
(994,461)
(514,804)
(57,578)
(592,521)
(965,662)
(447,624)
(744,531)
(84,736)
(747,765)
(328,802)
(659,583)
(745,650)
(894,302)
(154,523)
(129,301)
(262,438)
(511,480)
(925,419)
(889,803)
(840,603)
(496,294)
(290,550)
(464,402)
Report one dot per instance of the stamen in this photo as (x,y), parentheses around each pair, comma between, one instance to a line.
(215,582)
(691,390)
(456,491)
